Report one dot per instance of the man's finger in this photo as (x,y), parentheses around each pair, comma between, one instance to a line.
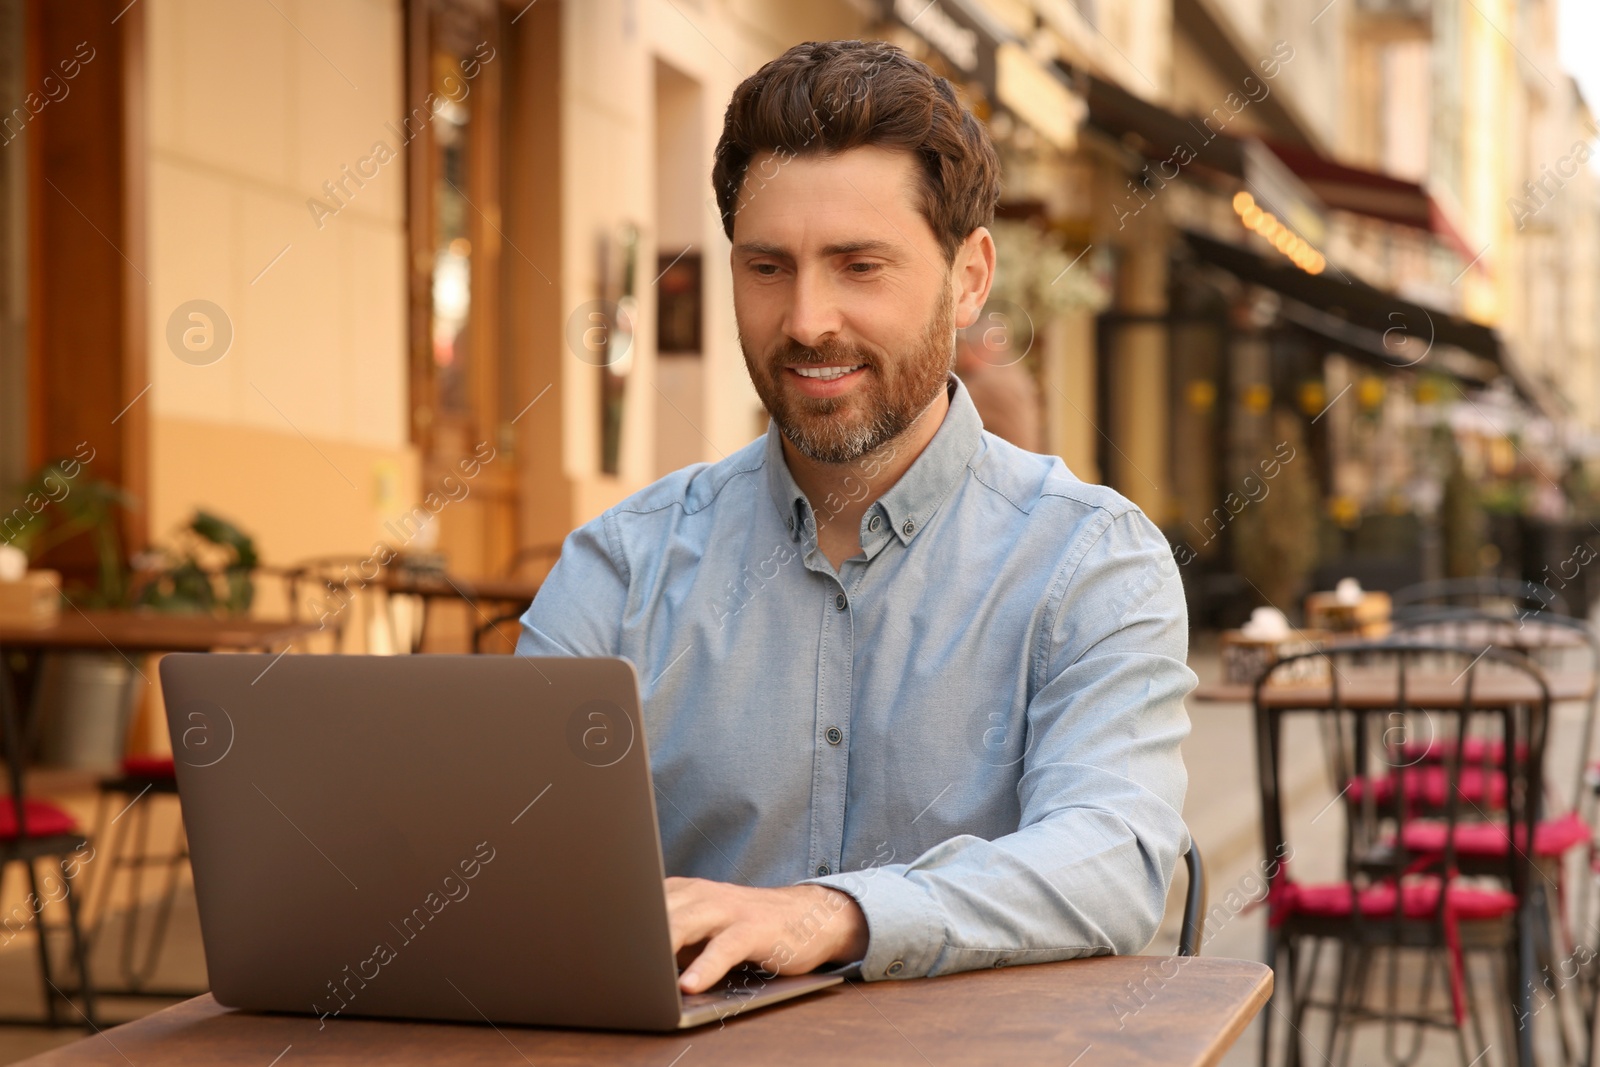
(694,921)
(714,962)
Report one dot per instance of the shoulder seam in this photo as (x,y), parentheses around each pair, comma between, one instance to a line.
(619,559)
(1068,570)
(681,499)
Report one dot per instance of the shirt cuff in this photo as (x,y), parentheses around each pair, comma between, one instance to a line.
(905,933)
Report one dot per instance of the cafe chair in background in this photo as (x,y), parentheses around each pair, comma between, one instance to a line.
(500,631)
(1499,596)
(347,595)
(145,781)
(1389,895)
(31,830)
(1191,935)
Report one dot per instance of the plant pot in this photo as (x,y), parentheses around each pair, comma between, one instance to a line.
(84,701)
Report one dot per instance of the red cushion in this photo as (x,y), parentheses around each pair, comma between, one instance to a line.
(149,766)
(1551,837)
(1473,750)
(1425,785)
(1418,900)
(44,819)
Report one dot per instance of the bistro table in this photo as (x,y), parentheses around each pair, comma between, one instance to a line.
(1161,1011)
(147,631)
(1377,688)
(132,633)
(128,634)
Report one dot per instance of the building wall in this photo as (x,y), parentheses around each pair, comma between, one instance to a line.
(609,163)
(251,109)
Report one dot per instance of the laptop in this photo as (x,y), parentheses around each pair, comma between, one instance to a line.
(467,838)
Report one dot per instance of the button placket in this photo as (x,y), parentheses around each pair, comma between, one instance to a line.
(830,764)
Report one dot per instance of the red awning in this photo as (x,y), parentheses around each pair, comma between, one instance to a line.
(1371,193)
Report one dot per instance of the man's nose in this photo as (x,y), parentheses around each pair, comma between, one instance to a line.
(813,313)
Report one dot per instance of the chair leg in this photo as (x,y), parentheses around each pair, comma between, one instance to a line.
(103,888)
(130,929)
(1524,991)
(1474,1014)
(1360,981)
(1344,984)
(1291,1036)
(163,916)
(80,951)
(50,1007)
(1272,951)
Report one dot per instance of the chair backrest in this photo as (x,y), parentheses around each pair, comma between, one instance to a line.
(1191,935)
(345,593)
(1397,722)
(1500,596)
(1554,642)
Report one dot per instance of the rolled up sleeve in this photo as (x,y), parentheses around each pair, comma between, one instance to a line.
(1101,792)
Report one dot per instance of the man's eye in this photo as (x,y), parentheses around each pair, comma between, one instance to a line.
(766,270)
(863,268)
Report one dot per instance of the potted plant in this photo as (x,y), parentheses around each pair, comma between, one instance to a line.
(84,698)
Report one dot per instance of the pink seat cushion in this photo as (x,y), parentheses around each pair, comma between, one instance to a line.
(44,819)
(149,766)
(1551,837)
(1425,785)
(1418,900)
(1473,750)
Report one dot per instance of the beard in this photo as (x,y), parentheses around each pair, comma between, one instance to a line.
(897,389)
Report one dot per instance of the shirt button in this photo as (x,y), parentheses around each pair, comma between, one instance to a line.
(1001,962)
(895,968)
(834,736)
(909,528)
(823,869)
(840,602)
(873,523)
(790,523)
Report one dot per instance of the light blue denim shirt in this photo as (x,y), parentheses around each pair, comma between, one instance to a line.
(972,727)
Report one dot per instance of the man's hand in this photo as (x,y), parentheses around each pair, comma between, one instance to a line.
(790,930)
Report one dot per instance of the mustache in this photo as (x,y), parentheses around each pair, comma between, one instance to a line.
(792,352)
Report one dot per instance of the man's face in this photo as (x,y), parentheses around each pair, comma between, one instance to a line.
(844,302)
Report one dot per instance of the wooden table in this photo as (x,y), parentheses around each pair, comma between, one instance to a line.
(1192,1010)
(1377,689)
(146,631)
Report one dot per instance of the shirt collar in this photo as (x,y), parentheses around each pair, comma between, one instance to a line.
(909,505)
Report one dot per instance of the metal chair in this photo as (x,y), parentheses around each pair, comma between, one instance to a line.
(1191,935)
(1390,895)
(498,626)
(128,856)
(30,830)
(347,595)
(1500,596)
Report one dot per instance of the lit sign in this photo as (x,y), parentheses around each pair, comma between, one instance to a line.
(1277,234)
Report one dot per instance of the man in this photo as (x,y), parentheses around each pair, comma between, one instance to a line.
(913,696)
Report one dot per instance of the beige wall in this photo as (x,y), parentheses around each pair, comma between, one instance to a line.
(299,432)
(610,49)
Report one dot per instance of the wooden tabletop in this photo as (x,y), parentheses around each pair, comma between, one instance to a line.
(1188,1012)
(146,631)
(1378,688)
(429,585)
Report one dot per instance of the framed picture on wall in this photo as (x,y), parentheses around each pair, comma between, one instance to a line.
(678,304)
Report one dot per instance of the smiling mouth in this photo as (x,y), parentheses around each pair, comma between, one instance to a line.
(826,374)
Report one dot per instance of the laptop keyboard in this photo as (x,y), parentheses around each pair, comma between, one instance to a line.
(740,985)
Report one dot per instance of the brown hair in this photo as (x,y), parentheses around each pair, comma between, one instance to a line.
(824,97)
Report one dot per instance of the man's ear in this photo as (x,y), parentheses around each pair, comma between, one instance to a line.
(972,276)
